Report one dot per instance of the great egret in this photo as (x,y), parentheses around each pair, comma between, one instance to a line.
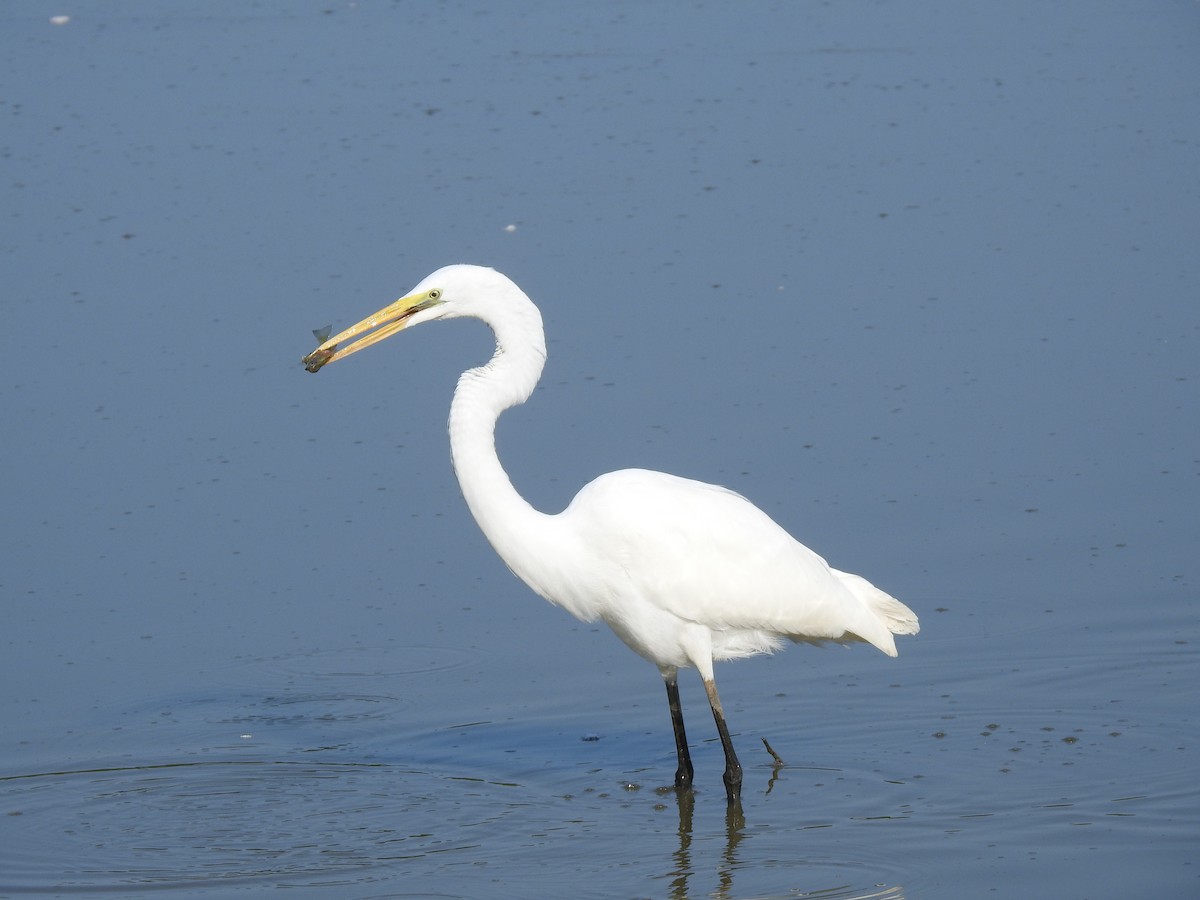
(684,572)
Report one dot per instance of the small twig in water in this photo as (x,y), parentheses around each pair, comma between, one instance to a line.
(778,759)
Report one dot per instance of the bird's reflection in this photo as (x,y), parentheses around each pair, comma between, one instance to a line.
(735,833)
(732,859)
(686,798)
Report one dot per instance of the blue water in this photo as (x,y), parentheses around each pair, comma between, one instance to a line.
(920,281)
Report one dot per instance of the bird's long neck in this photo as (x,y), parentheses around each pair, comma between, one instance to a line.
(514,528)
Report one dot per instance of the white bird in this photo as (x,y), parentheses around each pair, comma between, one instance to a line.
(684,572)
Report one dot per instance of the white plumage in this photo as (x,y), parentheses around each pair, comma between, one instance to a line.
(683,572)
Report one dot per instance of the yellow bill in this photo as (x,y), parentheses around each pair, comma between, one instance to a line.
(371,330)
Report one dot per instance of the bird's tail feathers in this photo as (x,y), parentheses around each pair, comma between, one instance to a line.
(892,614)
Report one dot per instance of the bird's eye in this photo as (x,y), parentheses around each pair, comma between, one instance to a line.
(435,294)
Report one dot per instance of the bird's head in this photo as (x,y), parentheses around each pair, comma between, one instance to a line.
(448,292)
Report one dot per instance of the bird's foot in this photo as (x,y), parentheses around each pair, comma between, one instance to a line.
(733,784)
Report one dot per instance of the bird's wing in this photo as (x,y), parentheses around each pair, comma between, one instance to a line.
(708,555)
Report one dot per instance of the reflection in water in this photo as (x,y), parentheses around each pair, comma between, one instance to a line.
(683,856)
(735,832)
(776,765)
(684,868)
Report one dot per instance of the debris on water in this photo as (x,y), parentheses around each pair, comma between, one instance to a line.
(775,756)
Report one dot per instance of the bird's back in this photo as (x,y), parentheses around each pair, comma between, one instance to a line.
(706,555)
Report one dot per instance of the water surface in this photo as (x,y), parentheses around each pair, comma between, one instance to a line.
(919,281)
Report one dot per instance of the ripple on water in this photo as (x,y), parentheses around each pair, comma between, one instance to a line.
(222,823)
(370,662)
(195,827)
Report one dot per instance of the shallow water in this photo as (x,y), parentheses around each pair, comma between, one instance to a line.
(919,283)
(1056,773)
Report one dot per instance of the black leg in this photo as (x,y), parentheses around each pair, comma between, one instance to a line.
(733,768)
(683,775)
